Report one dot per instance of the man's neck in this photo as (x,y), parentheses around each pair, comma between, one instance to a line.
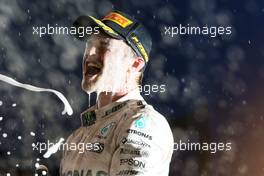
(105,98)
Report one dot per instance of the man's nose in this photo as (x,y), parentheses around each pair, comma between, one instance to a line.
(90,54)
(92,51)
(95,53)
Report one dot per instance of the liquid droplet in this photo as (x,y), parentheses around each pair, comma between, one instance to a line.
(32,133)
(4,135)
(53,149)
(89,99)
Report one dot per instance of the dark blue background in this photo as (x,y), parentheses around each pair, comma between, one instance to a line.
(214,85)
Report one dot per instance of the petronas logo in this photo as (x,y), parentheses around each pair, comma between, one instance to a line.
(105,131)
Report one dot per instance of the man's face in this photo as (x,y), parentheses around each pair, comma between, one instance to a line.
(106,64)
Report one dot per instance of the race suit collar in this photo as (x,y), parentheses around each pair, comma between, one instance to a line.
(91,115)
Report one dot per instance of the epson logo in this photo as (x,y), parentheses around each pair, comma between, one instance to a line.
(133,162)
(139,133)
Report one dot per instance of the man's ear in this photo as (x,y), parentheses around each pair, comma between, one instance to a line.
(138,63)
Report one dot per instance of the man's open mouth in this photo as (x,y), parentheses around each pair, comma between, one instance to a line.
(93,69)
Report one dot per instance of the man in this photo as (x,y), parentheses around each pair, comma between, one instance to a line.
(125,135)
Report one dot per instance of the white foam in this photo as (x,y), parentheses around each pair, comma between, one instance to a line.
(1,103)
(67,106)
(4,135)
(32,133)
(53,149)
(36,165)
(89,99)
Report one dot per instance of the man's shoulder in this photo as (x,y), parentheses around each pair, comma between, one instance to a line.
(152,114)
(148,118)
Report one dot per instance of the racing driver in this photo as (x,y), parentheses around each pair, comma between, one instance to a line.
(123,135)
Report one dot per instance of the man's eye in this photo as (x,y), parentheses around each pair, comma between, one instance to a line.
(103,49)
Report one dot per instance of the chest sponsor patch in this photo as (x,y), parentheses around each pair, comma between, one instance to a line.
(114,109)
(88,118)
(133,162)
(105,131)
(135,142)
(99,148)
(134,152)
(139,133)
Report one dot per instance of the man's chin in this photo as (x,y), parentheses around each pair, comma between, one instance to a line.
(100,85)
(88,87)
(90,84)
